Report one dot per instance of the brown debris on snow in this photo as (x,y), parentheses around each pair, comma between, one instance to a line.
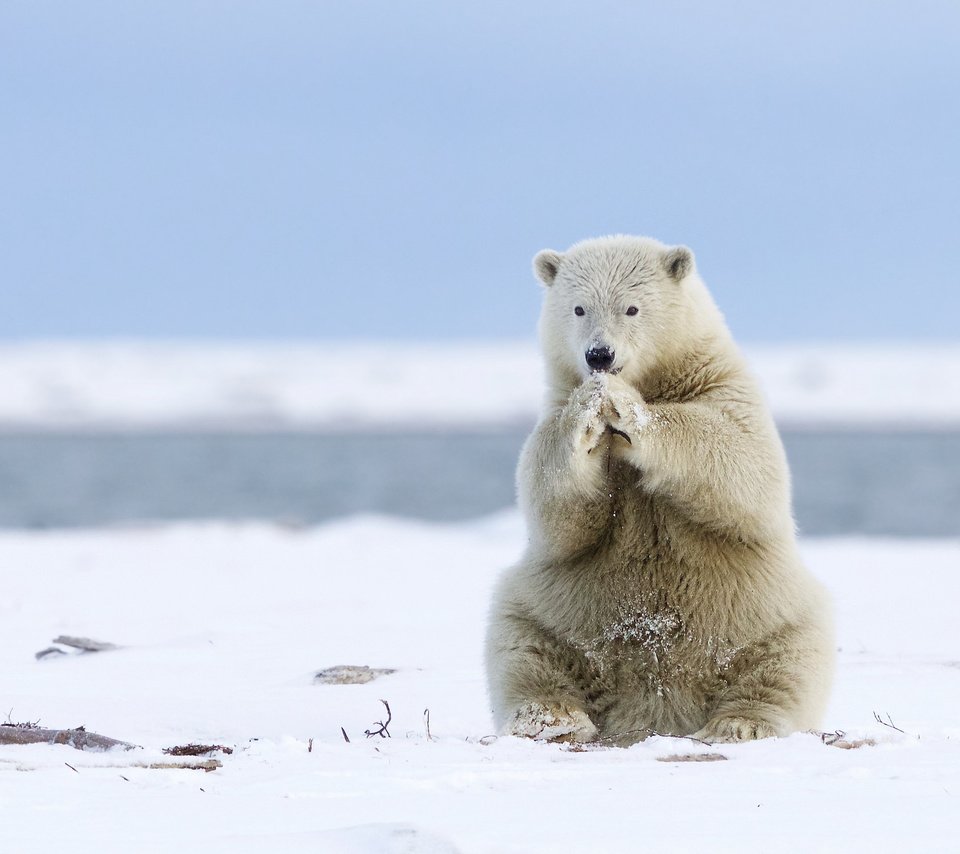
(838,738)
(196,749)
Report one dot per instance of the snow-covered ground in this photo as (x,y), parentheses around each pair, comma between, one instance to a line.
(341,385)
(222,629)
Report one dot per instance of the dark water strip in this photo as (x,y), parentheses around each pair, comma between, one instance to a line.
(877,483)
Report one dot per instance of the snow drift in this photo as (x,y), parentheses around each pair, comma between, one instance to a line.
(351,385)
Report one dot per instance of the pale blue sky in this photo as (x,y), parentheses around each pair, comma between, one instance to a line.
(383,169)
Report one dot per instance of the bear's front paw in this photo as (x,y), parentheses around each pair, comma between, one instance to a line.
(626,411)
(735,728)
(587,406)
(556,722)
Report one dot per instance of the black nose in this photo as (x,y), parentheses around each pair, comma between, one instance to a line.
(600,358)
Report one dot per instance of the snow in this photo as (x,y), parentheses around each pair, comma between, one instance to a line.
(222,628)
(341,385)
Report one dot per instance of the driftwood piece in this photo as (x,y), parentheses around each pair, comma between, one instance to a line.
(202,765)
(78,738)
(50,650)
(83,645)
(86,644)
(351,674)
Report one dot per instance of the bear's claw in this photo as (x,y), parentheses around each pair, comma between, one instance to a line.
(617,432)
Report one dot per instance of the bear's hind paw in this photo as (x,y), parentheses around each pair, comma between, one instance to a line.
(733,728)
(554,723)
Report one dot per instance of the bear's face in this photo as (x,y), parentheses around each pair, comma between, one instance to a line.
(612,304)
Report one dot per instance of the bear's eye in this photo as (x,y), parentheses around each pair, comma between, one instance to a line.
(632,311)
(578,311)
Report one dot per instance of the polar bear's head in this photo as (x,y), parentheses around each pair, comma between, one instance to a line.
(618,304)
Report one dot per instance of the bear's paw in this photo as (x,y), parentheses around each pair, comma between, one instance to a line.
(556,722)
(629,415)
(733,728)
(587,405)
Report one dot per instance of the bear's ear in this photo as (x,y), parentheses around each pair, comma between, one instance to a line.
(546,264)
(678,262)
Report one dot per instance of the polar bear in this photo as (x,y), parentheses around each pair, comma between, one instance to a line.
(661,590)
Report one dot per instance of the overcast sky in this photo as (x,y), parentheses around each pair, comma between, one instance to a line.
(384,169)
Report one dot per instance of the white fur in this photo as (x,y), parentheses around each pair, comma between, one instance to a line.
(661,589)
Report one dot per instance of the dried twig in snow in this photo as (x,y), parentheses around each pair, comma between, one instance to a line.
(887,723)
(426,720)
(381,726)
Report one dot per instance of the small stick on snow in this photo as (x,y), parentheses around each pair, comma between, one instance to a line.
(887,723)
(346,737)
(426,718)
(381,730)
